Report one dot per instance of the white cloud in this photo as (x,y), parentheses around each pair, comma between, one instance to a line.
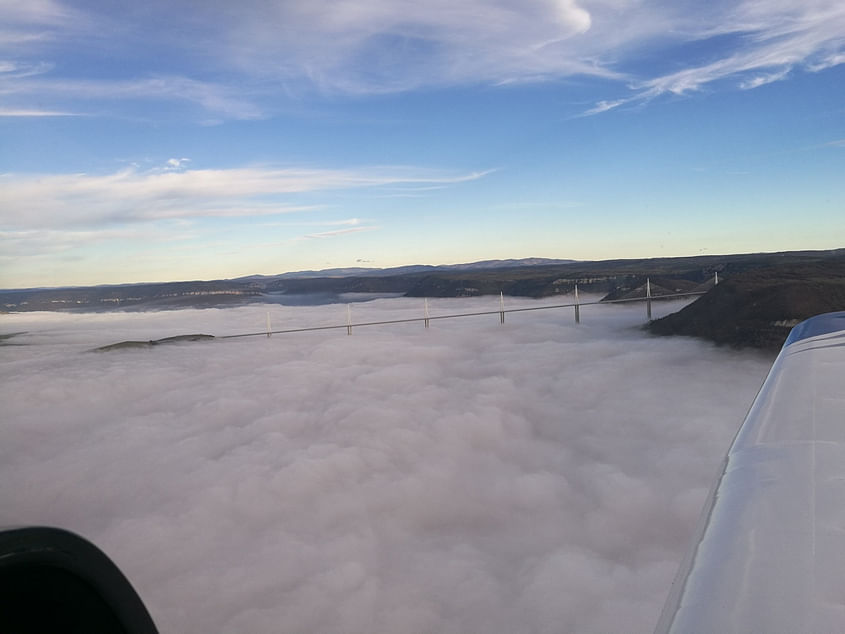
(27,243)
(336,46)
(348,221)
(34,25)
(761,80)
(390,46)
(127,196)
(315,223)
(604,106)
(147,251)
(827,62)
(533,477)
(338,232)
(35,16)
(775,37)
(242,60)
(9,112)
(177,163)
(212,97)
(16,69)
(385,46)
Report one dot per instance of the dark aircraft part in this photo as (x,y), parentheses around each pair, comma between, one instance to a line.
(54,581)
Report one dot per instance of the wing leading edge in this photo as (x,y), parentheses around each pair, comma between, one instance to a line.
(769,554)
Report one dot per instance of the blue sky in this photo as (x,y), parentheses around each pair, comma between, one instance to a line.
(199,140)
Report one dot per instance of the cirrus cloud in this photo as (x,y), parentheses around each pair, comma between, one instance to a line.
(130,195)
(240,61)
(771,38)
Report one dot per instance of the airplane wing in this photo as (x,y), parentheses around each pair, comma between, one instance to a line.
(769,555)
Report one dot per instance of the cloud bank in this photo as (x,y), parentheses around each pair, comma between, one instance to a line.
(532,477)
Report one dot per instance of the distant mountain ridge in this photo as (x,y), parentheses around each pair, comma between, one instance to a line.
(411,268)
(532,277)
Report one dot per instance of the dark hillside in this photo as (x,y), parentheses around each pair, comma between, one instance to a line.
(759,307)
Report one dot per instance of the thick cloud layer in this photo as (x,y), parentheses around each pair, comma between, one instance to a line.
(532,477)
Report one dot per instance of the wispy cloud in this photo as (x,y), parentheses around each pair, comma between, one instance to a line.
(347,222)
(40,38)
(212,98)
(390,46)
(338,232)
(57,215)
(177,163)
(242,60)
(335,47)
(131,196)
(775,37)
(29,243)
(763,79)
(12,69)
(604,106)
(9,112)
(32,20)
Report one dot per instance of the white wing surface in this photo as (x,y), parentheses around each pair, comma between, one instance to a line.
(769,555)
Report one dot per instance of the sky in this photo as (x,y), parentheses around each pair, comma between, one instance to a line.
(180,140)
(537,476)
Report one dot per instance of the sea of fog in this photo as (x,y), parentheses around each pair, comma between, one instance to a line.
(536,476)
